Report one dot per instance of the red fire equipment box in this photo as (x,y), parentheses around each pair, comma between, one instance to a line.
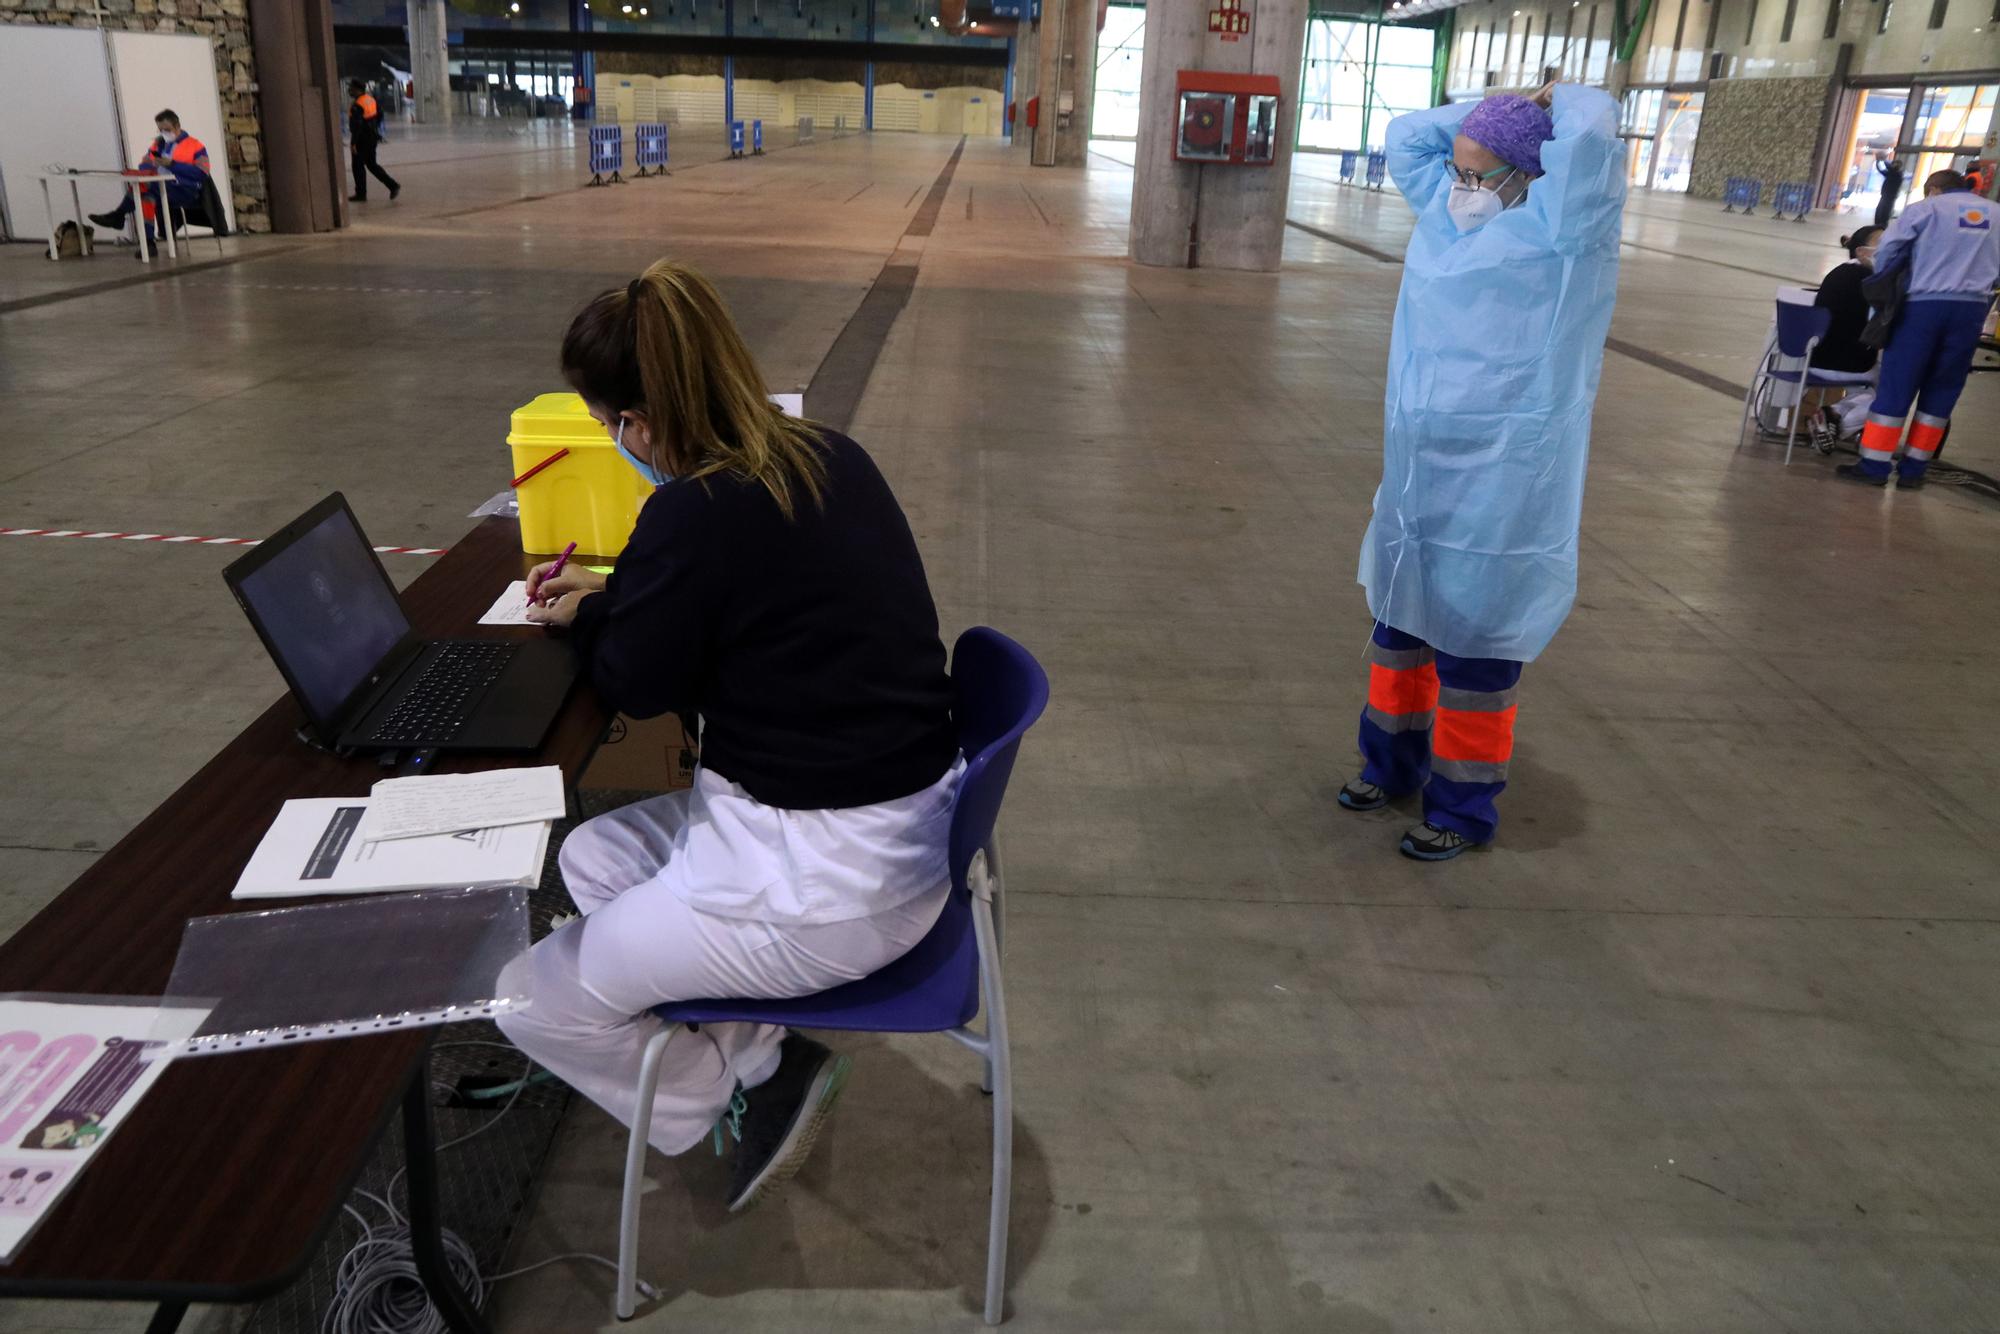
(1229,118)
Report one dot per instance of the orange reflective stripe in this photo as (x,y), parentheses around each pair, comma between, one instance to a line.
(1487,737)
(1875,435)
(1925,437)
(1410,690)
(187,148)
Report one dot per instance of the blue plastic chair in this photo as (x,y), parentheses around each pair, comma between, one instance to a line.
(1000,691)
(1799,331)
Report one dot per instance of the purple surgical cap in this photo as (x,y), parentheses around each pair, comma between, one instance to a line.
(1512,128)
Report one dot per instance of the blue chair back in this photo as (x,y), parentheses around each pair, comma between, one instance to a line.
(1000,691)
(1799,325)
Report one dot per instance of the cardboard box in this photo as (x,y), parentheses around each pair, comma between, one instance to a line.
(656,755)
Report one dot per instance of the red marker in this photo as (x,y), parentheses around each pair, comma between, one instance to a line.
(554,570)
(560,453)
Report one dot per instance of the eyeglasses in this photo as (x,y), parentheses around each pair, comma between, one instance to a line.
(1472,180)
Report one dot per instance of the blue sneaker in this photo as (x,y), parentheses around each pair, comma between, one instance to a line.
(1428,843)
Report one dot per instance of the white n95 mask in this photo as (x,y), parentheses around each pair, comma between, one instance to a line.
(1472,207)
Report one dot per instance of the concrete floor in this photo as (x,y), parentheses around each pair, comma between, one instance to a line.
(1706,1043)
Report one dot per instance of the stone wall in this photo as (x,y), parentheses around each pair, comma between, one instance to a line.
(226,24)
(1762,128)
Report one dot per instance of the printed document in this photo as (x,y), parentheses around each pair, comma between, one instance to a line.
(69,1074)
(314,847)
(447,803)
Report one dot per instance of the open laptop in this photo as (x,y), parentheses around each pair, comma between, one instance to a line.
(320,600)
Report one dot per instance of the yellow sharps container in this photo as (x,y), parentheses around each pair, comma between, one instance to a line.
(590,496)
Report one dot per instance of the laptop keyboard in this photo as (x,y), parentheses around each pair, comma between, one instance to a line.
(437,704)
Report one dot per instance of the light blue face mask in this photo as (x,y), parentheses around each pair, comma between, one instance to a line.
(646,470)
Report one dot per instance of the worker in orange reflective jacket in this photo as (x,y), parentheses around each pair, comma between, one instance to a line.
(177,153)
(364,132)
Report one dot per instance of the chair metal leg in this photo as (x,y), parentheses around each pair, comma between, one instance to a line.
(635,1172)
(1000,1063)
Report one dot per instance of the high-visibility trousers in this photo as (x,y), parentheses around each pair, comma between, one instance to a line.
(1925,365)
(1440,724)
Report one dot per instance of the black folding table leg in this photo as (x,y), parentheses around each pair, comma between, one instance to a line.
(166,1318)
(420,1159)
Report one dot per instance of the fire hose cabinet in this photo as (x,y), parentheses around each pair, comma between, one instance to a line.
(1226,118)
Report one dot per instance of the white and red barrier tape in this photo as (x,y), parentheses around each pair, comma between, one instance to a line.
(190,541)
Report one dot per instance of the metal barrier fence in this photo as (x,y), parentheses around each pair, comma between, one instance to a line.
(1741,190)
(1347,156)
(607,154)
(736,138)
(805,129)
(649,149)
(1793,197)
(757,137)
(1378,169)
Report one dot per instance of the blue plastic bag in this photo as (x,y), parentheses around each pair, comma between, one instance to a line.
(1493,370)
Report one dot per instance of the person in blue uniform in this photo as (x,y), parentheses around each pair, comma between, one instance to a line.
(181,156)
(1950,242)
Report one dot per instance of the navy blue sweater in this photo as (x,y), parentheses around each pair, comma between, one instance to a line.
(809,647)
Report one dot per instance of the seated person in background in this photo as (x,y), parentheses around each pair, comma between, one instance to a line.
(1841,352)
(175,152)
(771,586)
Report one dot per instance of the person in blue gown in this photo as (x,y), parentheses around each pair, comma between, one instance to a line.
(1470,559)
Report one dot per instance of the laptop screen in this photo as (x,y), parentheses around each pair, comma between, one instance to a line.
(326,611)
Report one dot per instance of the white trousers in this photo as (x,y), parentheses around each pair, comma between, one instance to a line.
(640,943)
(1853,410)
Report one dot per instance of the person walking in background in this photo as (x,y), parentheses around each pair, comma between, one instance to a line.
(180,155)
(1892,186)
(1470,559)
(1950,242)
(364,132)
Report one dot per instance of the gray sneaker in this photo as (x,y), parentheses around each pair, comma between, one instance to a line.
(1361,795)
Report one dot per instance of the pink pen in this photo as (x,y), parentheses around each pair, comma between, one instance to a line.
(555,569)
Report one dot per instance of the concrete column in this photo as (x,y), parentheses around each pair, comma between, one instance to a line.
(428,70)
(298,103)
(1065,76)
(1213,215)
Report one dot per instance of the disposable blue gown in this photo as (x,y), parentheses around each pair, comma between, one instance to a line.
(1493,370)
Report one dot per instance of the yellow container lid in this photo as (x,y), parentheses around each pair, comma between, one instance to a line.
(558,419)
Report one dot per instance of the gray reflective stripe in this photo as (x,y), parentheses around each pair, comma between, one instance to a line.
(1879,419)
(1399,722)
(1877,455)
(1925,419)
(1468,771)
(1477,701)
(1918,454)
(1398,659)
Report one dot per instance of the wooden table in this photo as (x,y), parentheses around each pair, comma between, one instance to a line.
(222,1182)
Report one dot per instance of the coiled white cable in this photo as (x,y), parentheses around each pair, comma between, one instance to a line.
(377,1289)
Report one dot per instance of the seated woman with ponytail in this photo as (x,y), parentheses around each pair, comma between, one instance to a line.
(773,590)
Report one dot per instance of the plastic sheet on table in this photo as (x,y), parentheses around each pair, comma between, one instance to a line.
(349,968)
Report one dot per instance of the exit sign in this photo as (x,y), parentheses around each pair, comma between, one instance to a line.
(1229,20)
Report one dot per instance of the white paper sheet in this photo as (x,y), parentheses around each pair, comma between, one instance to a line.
(447,803)
(314,847)
(510,608)
(69,1075)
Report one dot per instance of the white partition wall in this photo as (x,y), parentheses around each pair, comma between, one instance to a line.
(60,110)
(152,72)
